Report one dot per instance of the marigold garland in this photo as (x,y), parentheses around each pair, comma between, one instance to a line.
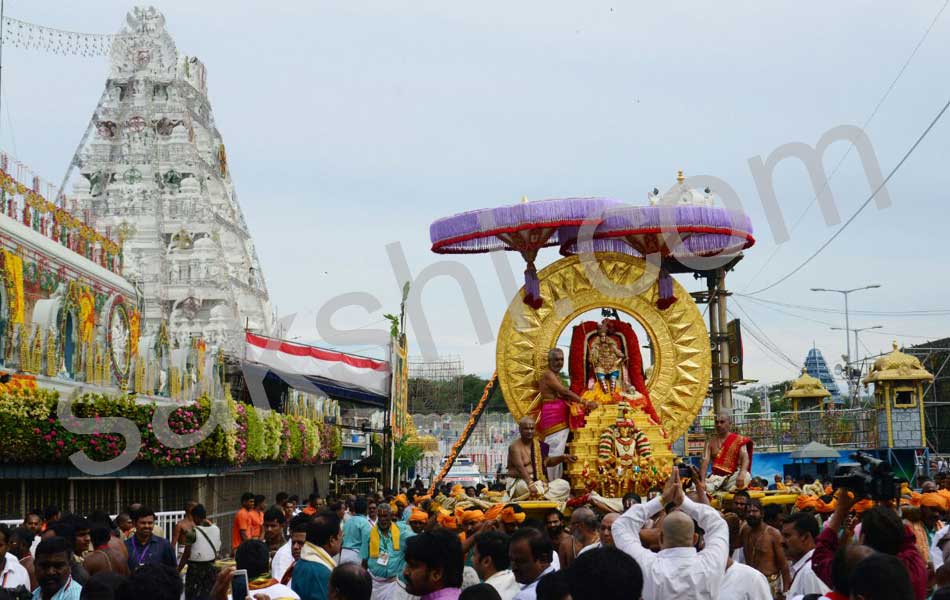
(472,422)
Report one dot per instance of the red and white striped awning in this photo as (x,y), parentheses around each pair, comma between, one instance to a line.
(288,358)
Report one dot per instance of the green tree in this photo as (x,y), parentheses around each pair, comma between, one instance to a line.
(406,455)
(755,406)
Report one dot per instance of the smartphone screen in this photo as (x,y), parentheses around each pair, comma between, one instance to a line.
(239,585)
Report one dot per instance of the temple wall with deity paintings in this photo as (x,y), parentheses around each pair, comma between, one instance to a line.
(69,320)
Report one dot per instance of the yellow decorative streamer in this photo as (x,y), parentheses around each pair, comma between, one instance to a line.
(13,279)
(87,315)
(135,319)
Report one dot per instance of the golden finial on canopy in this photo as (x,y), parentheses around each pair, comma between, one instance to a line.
(680,178)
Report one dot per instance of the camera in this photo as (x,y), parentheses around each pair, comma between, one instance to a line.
(871,478)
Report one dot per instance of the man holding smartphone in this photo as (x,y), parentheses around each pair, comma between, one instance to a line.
(253,576)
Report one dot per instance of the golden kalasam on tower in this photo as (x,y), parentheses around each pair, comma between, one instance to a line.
(624,445)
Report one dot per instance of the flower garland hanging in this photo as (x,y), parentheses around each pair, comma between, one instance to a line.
(469,426)
(61,217)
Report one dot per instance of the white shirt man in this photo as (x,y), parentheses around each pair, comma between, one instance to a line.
(13,574)
(804,580)
(207,543)
(530,590)
(677,572)
(742,582)
(936,550)
(282,560)
(505,584)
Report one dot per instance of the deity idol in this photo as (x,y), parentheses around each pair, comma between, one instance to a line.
(607,359)
(622,452)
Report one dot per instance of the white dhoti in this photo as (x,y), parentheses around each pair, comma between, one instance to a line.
(557,444)
(719,484)
(515,487)
(384,589)
(348,555)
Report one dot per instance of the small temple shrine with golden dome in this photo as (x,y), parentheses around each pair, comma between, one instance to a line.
(898,380)
(808,393)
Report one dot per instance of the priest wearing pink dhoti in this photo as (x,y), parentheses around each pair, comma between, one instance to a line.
(560,411)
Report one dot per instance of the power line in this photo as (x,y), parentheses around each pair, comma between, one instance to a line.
(791,314)
(828,324)
(860,208)
(767,340)
(871,313)
(766,352)
(867,121)
(770,352)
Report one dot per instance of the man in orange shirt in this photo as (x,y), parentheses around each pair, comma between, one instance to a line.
(313,505)
(244,521)
(257,528)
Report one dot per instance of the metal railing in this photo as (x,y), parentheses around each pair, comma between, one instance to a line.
(357,485)
(786,431)
(166,520)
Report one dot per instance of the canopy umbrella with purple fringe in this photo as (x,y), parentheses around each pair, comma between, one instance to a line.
(679,231)
(525,228)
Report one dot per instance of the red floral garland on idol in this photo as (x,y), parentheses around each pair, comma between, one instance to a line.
(472,422)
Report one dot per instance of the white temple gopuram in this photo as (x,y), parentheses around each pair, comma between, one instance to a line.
(152,169)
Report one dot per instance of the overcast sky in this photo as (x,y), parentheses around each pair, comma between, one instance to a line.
(353,125)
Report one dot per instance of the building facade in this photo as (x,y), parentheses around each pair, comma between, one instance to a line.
(152,169)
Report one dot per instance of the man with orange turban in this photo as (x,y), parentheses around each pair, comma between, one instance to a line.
(418,520)
(933,506)
(512,516)
(470,520)
(448,521)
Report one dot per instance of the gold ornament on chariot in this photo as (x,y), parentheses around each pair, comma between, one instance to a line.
(681,369)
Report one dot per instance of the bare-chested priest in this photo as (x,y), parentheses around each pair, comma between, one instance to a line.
(730,455)
(561,409)
(527,459)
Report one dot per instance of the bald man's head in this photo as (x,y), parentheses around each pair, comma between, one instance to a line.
(678,531)
(526,428)
(584,518)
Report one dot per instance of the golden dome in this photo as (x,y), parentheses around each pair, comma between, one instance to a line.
(806,386)
(898,366)
(428,443)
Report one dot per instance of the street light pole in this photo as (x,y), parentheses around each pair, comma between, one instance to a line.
(857,348)
(856,332)
(847,325)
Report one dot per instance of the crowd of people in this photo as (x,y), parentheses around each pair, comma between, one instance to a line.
(459,543)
